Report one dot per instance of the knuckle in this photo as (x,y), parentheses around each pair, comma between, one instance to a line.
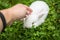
(19,4)
(24,8)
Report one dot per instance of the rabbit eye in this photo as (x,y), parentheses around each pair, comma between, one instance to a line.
(33,23)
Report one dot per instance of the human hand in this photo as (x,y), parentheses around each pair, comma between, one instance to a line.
(18,11)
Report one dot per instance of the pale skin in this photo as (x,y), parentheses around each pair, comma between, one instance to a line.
(16,12)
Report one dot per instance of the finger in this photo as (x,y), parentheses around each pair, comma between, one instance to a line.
(28,13)
(28,9)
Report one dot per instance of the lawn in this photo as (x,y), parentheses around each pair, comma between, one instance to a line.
(49,30)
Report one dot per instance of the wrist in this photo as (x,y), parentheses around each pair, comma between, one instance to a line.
(7,15)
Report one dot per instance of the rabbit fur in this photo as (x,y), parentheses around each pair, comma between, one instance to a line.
(38,16)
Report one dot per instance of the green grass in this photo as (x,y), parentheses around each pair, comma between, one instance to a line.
(49,30)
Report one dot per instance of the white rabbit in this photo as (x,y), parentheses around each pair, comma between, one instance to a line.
(38,16)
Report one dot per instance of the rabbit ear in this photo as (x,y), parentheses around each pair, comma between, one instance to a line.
(40,16)
(40,12)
